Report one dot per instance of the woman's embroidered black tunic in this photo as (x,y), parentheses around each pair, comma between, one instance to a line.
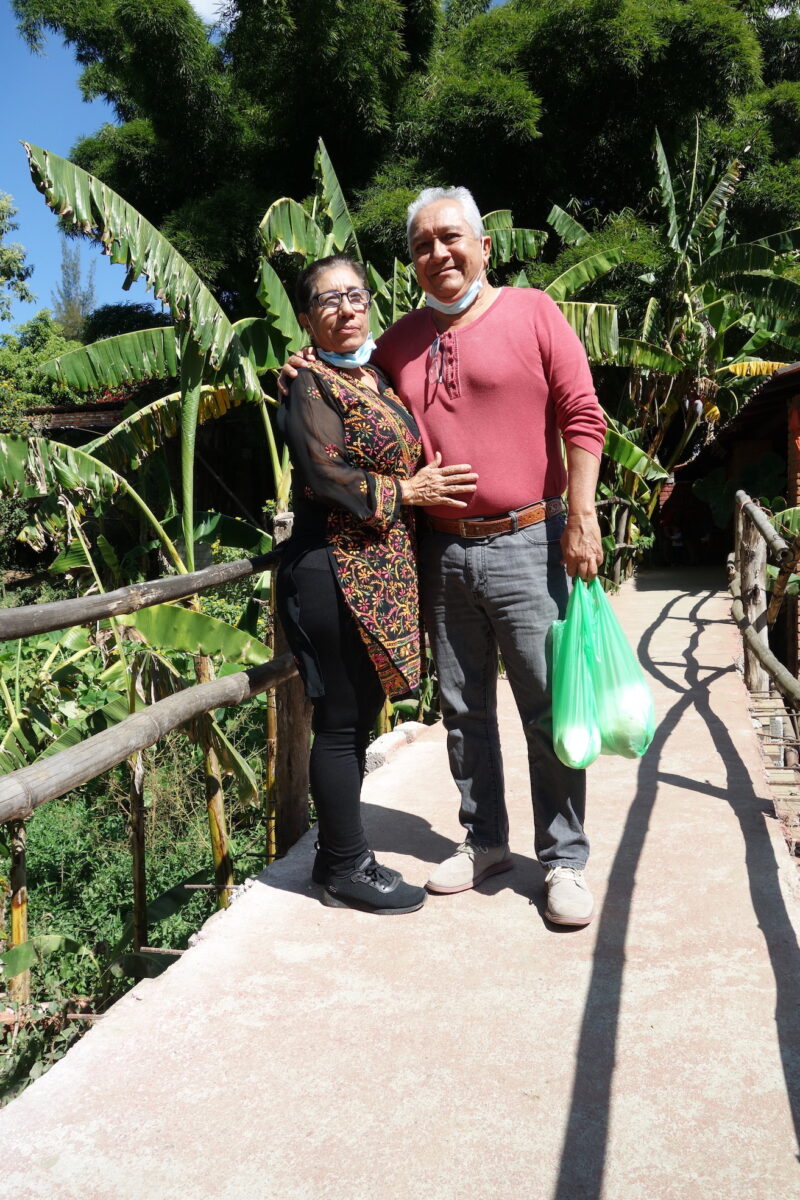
(349,448)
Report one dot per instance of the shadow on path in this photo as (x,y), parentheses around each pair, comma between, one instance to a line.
(585,1144)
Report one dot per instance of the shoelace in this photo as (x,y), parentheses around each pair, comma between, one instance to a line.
(376,873)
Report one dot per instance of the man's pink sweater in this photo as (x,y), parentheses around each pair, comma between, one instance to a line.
(514,382)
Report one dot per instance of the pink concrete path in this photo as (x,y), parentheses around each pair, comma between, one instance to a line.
(469,1052)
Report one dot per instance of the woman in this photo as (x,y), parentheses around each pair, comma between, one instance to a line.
(347,585)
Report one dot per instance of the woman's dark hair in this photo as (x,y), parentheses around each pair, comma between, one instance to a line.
(305,288)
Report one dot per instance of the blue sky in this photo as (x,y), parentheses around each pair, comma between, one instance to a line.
(42,104)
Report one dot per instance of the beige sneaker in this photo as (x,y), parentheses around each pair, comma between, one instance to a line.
(569,901)
(468,867)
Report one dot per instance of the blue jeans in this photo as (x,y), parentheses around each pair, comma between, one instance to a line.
(481,596)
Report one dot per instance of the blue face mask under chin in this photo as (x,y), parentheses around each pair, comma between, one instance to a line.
(458,306)
(355,358)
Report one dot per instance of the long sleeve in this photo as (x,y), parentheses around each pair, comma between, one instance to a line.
(580,418)
(315,434)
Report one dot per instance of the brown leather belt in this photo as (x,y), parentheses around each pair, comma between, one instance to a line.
(510,522)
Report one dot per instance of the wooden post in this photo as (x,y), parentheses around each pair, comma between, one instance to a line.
(19,988)
(136,793)
(293,726)
(751,556)
(215,800)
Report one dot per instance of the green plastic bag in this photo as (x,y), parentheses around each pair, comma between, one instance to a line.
(576,732)
(625,712)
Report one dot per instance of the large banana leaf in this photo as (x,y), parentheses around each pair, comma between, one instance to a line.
(274,299)
(103,718)
(264,344)
(28,954)
(37,466)
(667,193)
(755,366)
(394,297)
(787,522)
(633,353)
(713,208)
(597,327)
(15,479)
(652,315)
(131,240)
(583,272)
(747,256)
(287,226)
(772,293)
(330,201)
(230,532)
(171,627)
(509,242)
(568,229)
(127,358)
(783,242)
(632,458)
(145,431)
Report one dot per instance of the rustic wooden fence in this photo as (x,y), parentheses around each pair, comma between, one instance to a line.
(747,583)
(286,740)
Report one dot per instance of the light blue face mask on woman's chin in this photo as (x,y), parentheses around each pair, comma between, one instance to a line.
(354,358)
(457,306)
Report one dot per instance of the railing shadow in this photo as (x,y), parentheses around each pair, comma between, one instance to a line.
(585,1144)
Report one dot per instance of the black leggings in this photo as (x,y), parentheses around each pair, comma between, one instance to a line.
(343,717)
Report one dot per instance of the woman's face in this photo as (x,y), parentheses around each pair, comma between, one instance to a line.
(341,329)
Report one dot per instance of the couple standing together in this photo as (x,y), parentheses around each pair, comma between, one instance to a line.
(491,388)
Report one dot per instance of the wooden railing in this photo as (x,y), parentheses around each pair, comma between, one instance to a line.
(747,583)
(286,738)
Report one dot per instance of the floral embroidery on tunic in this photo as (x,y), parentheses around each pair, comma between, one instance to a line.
(375,558)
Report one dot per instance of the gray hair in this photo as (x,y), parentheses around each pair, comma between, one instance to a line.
(460,195)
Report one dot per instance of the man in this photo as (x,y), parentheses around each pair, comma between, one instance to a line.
(495,377)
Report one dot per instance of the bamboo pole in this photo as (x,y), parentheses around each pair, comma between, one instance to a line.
(19,987)
(782,581)
(783,679)
(271,748)
(383,723)
(779,547)
(293,732)
(751,559)
(82,610)
(215,799)
(137,818)
(22,791)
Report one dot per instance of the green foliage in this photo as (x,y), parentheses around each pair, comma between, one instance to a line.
(21,355)
(73,297)
(13,269)
(111,319)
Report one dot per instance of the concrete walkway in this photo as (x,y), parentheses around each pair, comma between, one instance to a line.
(468,1051)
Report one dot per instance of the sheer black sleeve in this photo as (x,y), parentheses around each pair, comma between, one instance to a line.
(314,432)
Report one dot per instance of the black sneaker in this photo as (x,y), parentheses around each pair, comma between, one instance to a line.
(370,887)
(320,870)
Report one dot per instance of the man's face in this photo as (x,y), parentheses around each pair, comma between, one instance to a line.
(446,253)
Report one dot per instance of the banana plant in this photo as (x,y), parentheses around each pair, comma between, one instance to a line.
(326,229)
(204,342)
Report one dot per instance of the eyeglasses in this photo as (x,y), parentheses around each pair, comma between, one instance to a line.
(359,299)
(436,361)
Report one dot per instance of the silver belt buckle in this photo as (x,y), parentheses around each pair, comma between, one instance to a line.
(514,516)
